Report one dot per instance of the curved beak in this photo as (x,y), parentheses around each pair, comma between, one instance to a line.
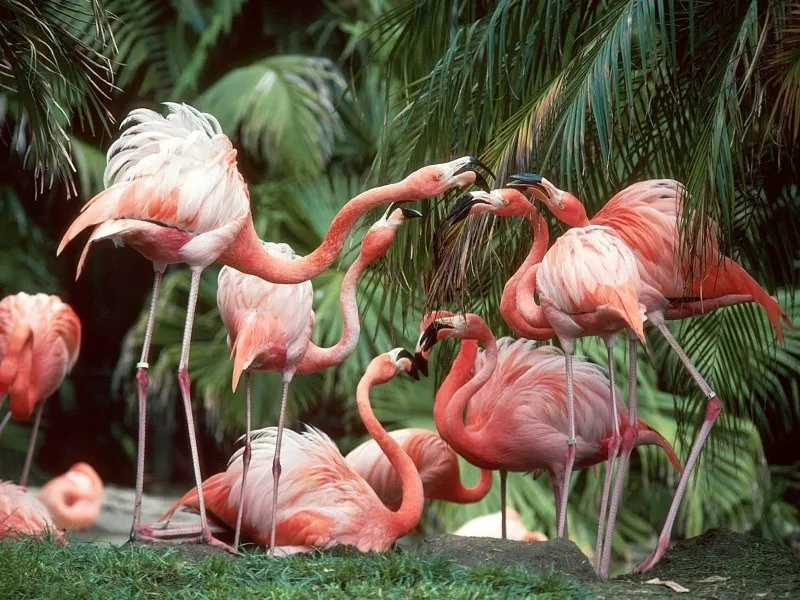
(413,370)
(480,181)
(421,363)
(410,213)
(525,181)
(460,209)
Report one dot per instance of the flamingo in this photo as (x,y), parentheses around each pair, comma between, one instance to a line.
(40,337)
(22,514)
(75,498)
(646,217)
(486,526)
(324,501)
(518,413)
(176,196)
(435,460)
(269,326)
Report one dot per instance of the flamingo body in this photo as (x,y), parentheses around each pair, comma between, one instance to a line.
(75,498)
(490,526)
(21,514)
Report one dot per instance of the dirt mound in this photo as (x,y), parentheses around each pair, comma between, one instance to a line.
(537,557)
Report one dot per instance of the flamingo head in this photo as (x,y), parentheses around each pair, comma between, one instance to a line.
(505,202)
(463,326)
(433,180)
(381,235)
(421,356)
(385,366)
(565,206)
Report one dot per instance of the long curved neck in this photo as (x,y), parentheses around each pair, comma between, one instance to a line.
(464,441)
(531,312)
(317,358)
(477,492)
(508,303)
(408,515)
(247,255)
(459,374)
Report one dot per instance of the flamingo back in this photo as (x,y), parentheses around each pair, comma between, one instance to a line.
(40,340)
(22,514)
(435,461)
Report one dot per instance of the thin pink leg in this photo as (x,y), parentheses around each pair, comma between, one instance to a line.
(713,409)
(143,381)
(185,386)
(628,443)
(558,488)
(613,449)
(23,480)
(245,462)
(276,461)
(503,483)
(571,441)
(5,420)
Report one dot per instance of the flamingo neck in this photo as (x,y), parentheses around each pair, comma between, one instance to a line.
(405,518)
(508,303)
(317,358)
(246,253)
(465,495)
(464,441)
(459,374)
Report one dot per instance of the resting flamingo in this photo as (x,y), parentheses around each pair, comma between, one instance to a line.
(323,502)
(518,417)
(435,460)
(75,498)
(646,216)
(40,337)
(176,196)
(22,514)
(270,324)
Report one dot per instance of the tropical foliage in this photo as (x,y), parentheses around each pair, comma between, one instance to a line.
(325,100)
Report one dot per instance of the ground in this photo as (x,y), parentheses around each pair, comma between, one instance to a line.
(718,564)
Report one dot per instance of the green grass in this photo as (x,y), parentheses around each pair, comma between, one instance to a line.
(44,570)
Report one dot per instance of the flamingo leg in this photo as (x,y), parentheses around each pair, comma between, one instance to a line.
(558,489)
(143,381)
(5,420)
(628,443)
(185,385)
(23,480)
(503,530)
(613,449)
(713,409)
(276,461)
(245,463)
(569,348)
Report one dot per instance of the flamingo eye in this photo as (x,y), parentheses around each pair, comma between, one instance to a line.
(505,202)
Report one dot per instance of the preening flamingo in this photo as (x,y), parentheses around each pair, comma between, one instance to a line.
(176,196)
(518,414)
(647,217)
(40,337)
(21,514)
(270,324)
(75,498)
(323,501)
(435,460)
(490,526)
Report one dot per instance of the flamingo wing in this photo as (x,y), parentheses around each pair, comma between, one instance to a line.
(22,514)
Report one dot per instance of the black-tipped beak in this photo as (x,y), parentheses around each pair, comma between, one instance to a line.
(460,209)
(410,213)
(525,181)
(413,370)
(480,180)
(421,363)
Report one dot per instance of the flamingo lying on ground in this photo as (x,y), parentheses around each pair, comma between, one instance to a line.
(490,526)
(270,324)
(323,501)
(21,514)
(518,416)
(435,460)
(647,216)
(75,498)
(40,337)
(176,196)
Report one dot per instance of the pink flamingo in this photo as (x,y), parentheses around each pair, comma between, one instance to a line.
(323,502)
(269,325)
(40,337)
(75,498)
(21,514)
(646,216)
(178,197)
(517,416)
(435,460)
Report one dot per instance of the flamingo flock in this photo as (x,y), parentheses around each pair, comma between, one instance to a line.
(174,194)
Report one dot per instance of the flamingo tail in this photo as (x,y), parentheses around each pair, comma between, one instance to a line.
(215,493)
(248,342)
(648,435)
(19,351)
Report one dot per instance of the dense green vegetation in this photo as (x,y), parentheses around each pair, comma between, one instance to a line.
(323,100)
